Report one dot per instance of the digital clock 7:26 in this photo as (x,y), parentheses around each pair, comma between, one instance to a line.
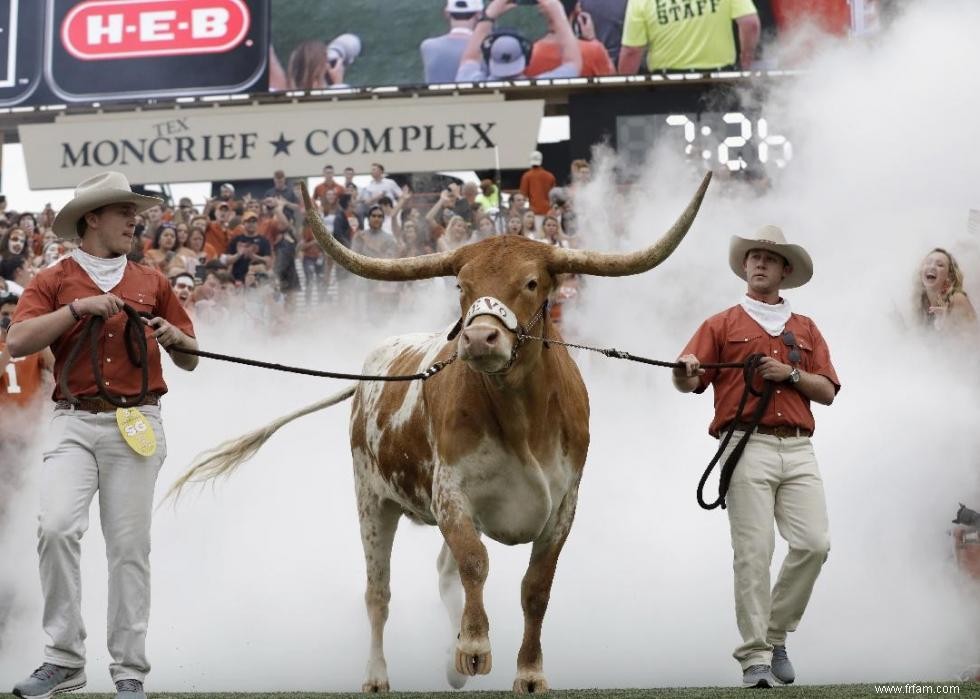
(737,140)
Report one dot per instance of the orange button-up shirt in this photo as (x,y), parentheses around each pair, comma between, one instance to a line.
(731,336)
(143,288)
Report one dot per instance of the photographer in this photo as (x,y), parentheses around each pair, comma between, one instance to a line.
(506,53)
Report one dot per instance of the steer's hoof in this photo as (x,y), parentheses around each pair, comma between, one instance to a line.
(456,680)
(376,687)
(473,658)
(530,683)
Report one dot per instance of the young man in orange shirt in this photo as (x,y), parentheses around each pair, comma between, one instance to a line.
(94,447)
(777,475)
(536,183)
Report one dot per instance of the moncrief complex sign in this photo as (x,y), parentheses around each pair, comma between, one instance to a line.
(191,145)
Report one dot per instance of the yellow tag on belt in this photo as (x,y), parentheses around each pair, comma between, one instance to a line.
(136,430)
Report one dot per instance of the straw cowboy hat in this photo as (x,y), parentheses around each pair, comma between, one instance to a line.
(771,238)
(95,192)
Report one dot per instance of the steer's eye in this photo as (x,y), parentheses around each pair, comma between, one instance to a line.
(532,285)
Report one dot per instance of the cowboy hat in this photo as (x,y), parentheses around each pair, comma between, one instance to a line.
(95,192)
(771,238)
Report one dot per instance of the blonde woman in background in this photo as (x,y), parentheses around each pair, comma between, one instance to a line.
(457,234)
(941,303)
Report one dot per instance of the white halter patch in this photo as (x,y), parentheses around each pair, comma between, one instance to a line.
(489,306)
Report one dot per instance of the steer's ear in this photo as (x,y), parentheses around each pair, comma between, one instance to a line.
(455,331)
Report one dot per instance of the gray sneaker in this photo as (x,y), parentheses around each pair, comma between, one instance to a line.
(50,679)
(758,676)
(129,689)
(782,668)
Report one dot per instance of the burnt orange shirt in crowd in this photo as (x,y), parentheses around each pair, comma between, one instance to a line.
(270,229)
(143,288)
(546,56)
(535,185)
(731,336)
(217,237)
(21,381)
(209,252)
(321,189)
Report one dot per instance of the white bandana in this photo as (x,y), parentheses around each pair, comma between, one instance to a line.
(106,272)
(772,317)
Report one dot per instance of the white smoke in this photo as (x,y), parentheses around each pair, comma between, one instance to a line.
(258,583)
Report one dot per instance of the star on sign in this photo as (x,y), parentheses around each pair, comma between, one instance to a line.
(282,145)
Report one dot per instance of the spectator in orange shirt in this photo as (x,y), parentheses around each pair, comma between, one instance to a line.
(219,231)
(546,55)
(272,219)
(21,379)
(535,185)
(329,183)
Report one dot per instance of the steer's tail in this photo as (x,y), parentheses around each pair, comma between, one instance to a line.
(228,456)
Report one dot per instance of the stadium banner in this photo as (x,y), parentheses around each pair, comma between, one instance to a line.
(229,143)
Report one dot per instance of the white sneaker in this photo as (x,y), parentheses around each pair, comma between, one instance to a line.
(50,679)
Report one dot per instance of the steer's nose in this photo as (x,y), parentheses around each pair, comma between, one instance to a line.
(480,340)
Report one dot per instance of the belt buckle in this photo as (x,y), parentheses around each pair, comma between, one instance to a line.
(785,431)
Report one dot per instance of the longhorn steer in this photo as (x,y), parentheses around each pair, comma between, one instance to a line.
(494,444)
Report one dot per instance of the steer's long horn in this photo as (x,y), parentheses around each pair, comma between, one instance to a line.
(403,269)
(610,264)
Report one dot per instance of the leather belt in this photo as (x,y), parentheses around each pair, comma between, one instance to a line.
(95,404)
(781,431)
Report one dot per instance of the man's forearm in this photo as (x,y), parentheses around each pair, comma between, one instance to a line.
(472,50)
(188,362)
(749,29)
(567,41)
(29,336)
(685,384)
(816,387)
(629,59)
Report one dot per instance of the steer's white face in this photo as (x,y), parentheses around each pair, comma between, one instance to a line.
(511,296)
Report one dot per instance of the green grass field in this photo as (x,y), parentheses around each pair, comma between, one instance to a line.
(390,33)
(842,691)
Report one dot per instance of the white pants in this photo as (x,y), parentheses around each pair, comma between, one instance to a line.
(85,453)
(775,479)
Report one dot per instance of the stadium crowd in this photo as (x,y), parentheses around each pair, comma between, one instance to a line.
(256,256)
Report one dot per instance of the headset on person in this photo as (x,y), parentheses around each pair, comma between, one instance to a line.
(488,41)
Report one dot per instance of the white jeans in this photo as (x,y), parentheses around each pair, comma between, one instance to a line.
(776,479)
(85,453)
